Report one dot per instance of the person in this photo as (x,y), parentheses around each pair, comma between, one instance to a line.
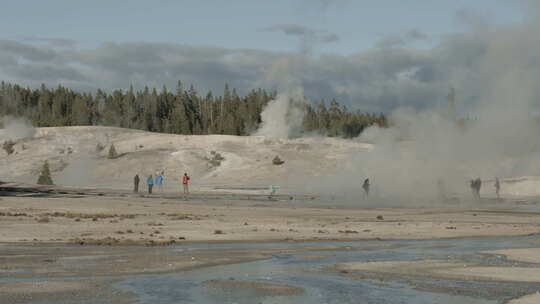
(136,181)
(150,182)
(365,186)
(478,187)
(273,190)
(185,181)
(159,181)
(473,187)
(497,187)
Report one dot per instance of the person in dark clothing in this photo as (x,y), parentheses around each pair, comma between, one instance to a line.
(478,187)
(150,182)
(365,186)
(136,181)
(497,187)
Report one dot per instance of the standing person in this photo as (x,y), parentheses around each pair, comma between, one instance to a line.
(473,187)
(478,187)
(159,182)
(185,181)
(136,181)
(365,186)
(150,182)
(497,187)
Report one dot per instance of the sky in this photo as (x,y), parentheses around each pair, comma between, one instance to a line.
(371,54)
(241,23)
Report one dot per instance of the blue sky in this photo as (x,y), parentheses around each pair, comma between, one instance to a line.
(375,55)
(238,23)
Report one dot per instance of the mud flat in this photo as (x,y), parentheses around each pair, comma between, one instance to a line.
(530,299)
(446,269)
(124,219)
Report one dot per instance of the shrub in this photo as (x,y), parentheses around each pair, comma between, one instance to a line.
(8,146)
(277,161)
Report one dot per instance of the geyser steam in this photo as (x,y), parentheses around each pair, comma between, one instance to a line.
(281,118)
(17,128)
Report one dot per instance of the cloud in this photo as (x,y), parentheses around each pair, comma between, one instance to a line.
(320,6)
(472,17)
(403,39)
(308,37)
(487,65)
(26,51)
(57,42)
(289,29)
(329,38)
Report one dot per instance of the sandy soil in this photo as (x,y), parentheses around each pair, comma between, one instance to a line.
(530,299)
(454,270)
(22,292)
(130,220)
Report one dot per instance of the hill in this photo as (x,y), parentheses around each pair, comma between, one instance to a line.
(78,156)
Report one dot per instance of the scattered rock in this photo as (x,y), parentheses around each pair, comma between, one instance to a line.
(277,161)
(348,231)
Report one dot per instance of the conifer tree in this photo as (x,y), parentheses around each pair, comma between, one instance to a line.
(45,175)
(112,152)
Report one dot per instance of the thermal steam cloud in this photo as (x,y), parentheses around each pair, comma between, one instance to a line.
(16,128)
(281,118)
(423,149)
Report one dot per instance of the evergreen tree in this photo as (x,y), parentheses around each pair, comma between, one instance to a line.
(112,152)
(183,112)
(45,175)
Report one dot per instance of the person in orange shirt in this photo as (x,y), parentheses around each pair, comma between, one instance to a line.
(185,182)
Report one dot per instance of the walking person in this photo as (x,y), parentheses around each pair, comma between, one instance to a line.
(136,181)
(366,186)
(497,187)
(185,182)
(150,183)
(159,181)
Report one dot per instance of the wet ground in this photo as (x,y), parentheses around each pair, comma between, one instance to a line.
(312,271)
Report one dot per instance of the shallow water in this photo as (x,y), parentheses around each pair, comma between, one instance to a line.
(323,285)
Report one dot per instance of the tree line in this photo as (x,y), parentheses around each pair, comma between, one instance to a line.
(184,111)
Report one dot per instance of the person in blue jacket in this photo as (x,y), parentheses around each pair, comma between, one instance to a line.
(150,182)
(159,181)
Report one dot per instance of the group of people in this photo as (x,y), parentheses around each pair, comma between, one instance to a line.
(476,185)
(158,181)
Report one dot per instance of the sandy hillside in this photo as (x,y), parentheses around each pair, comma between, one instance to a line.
(212,160)
(74,159)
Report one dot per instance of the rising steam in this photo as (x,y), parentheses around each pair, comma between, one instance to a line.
(16,128)
(281,118)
